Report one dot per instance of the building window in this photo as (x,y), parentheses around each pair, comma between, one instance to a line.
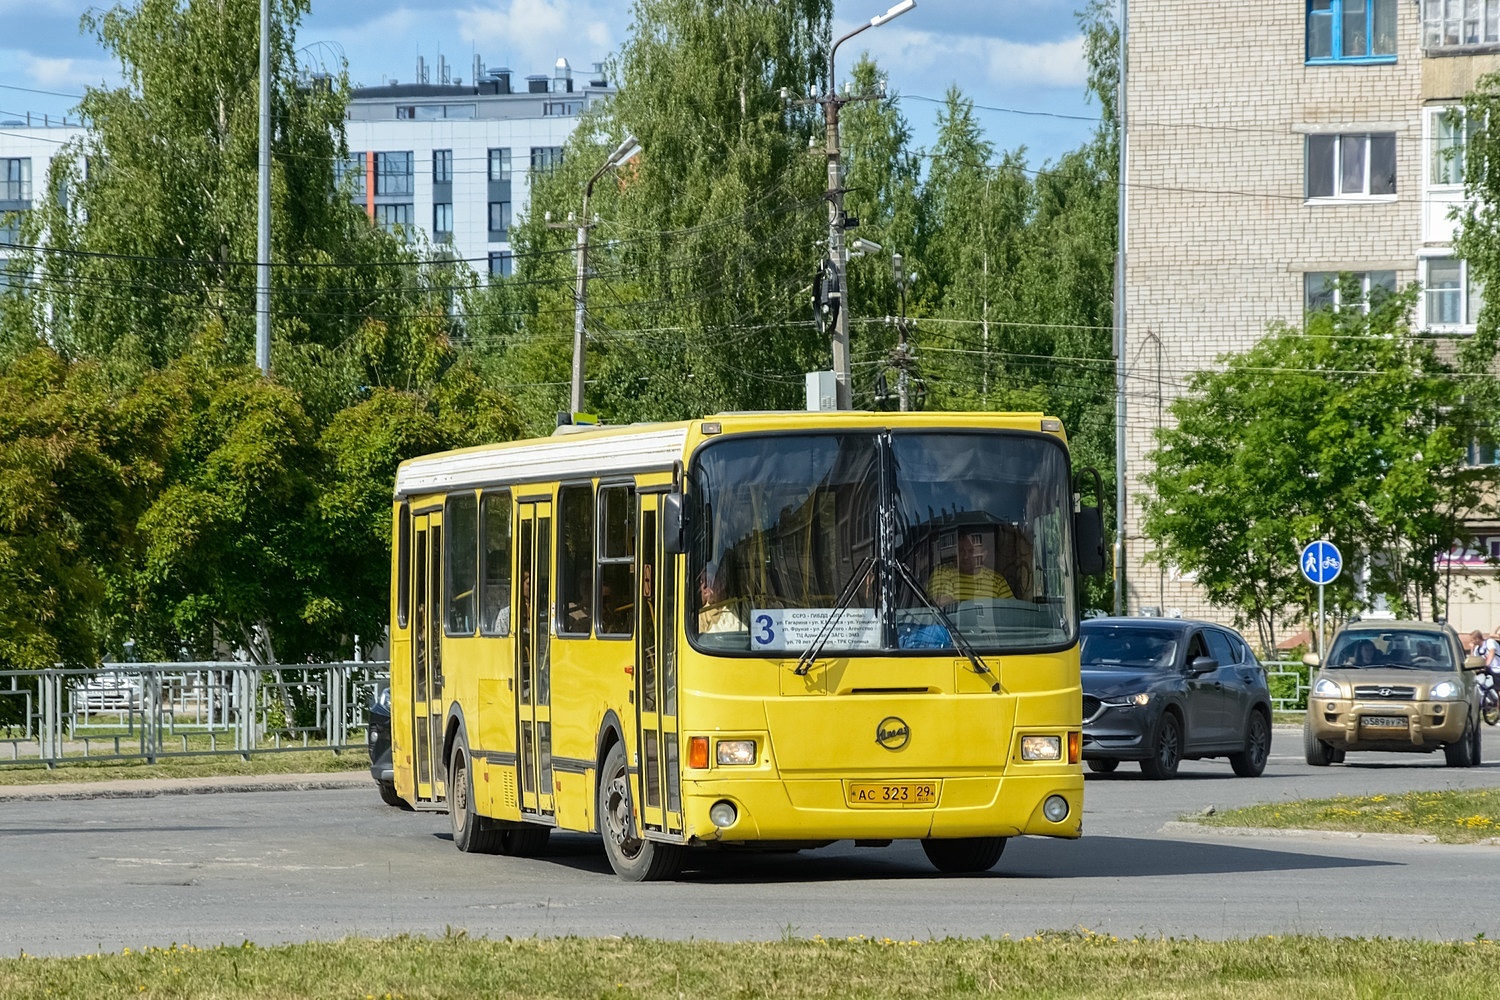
(1326,289)
(545,159)
(389,217)
(552,109)
(352,170)
(393,173)
(442,166)
(10,229)
(1357,165)
(1485,453)
(1450,130)
(442,220)
(1351,30)
(502,265)
(15,179)
(500,219)
(1450,24)
(1451,298)
(499,164)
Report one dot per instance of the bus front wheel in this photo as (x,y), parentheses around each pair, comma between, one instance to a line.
(472,834)
(634,858)
(964,854)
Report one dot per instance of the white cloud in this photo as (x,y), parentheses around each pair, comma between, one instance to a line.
(977,63)
(530,35)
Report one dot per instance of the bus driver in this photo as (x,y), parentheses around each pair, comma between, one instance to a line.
(974,578)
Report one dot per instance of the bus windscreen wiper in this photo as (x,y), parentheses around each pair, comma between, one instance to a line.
(959,639)
(805,661)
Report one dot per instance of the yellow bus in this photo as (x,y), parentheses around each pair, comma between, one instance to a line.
(772,630)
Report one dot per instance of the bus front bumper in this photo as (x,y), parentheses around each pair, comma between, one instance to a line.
(820,809)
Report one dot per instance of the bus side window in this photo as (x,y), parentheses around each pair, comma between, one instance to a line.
(575,559)
(614,602)
(494,568)
(403,565)
(461,579)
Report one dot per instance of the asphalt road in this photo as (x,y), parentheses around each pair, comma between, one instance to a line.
(89,875)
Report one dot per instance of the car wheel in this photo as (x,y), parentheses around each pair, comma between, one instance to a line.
(1103,765)
(964,855)
(389,796)
(1317,752)
(1251,761)
(472,833)
(634,858)
(1461,754)
(1168,751)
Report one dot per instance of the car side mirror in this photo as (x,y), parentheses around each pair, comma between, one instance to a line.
(1475,663)
(1311,660)
(1202,665)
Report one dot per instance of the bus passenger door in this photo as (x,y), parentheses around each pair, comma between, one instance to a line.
(659,786)
(533,675)
(427,656)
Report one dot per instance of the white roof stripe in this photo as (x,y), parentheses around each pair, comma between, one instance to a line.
(567,456)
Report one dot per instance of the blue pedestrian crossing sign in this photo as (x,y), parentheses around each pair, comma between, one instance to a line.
(1321,562)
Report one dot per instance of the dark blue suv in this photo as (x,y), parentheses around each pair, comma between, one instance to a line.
(1161,690)
(378,727)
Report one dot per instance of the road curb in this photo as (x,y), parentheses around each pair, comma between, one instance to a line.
(1181,827)
(142,788)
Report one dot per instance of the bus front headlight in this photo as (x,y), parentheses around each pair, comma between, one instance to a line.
(1041,748)
(736,752)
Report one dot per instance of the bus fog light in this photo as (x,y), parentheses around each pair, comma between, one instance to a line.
(1055,808)
(736,751)
(1041,748)
(723,814)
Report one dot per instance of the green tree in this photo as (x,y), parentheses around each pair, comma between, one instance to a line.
(1355,431)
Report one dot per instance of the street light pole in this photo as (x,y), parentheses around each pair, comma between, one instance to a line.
(624,151)
(263,203)
(837,254)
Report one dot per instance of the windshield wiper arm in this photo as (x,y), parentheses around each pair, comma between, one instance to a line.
(959,639)
(805,661)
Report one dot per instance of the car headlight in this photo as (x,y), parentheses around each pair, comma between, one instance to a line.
(1129,700)
(1326,688)
(1445,691)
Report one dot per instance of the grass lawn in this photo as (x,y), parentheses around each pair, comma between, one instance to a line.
(261,762)
(1052,964)
(1453,816)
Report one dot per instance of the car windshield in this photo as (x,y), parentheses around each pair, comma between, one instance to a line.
(1128,648)
(1389,649)
(882,541)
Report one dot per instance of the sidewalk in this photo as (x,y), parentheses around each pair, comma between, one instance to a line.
(136,788)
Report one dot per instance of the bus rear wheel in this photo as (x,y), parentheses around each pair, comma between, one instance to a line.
(633,858)
(965,854)
(472,833)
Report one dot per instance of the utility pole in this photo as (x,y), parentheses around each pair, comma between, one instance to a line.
(263,203)
(837,253)
(901,356)
(623,152)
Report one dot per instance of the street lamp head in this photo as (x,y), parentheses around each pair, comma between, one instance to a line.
(860,246)
(894,12)
(628,148)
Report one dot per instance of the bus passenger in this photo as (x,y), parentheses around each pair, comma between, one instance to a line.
(974,578)
(716,614)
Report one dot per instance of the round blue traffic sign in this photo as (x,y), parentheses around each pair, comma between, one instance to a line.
(1321,562)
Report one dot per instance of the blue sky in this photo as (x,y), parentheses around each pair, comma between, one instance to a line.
(1020,61)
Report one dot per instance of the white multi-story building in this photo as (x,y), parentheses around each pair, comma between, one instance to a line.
(1266,154)
(450,159)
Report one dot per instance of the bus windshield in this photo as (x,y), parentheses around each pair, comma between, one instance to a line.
(879,542)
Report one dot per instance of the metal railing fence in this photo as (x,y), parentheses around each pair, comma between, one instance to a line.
(151,711)
(1288,680)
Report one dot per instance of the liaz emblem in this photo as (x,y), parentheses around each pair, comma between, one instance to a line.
(892,733)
